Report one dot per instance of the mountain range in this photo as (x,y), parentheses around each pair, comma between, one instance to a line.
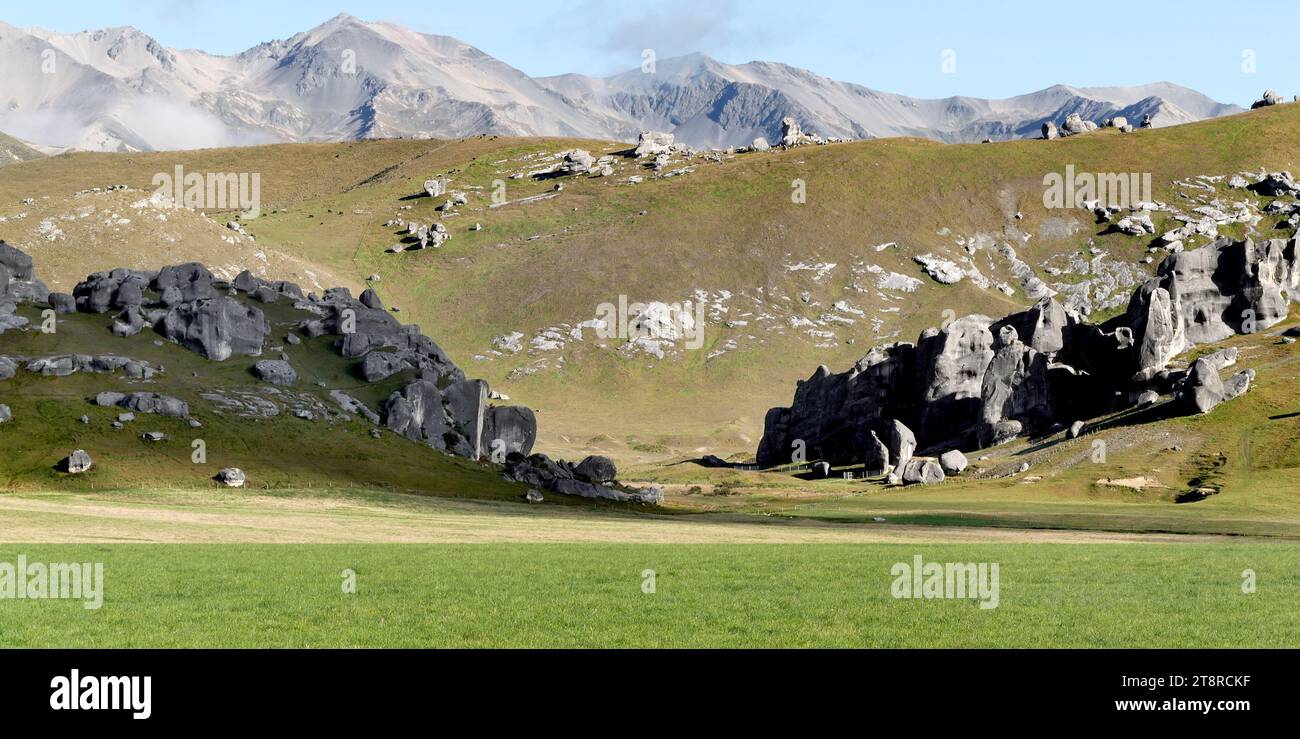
(118,89)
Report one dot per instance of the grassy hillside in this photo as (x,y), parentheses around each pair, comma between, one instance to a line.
(727,227)
(281,452)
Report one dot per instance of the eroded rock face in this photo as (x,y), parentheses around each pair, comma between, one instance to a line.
(218,328)
(951,363)
(1212,293)
(1157,323)
(1015,388)
(833,414)
(511,428)
(417,412)
(467,404)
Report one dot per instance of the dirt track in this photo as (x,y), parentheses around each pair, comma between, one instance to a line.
(179,517)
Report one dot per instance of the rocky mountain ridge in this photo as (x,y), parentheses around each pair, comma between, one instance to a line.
(118,89)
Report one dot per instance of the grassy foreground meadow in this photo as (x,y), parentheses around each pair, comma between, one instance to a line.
(704,595)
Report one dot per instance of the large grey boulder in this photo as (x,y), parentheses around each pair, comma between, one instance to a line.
(1044,325)
(653,143)
(163,405)
(923,472)
(902,444)
(953,462)
(275,371)
(218,328)
(1202,390)
(231,477)
(1157,323)
(1238,384)
(1015,388)
(370,299)
(63,303)
(876,459)
(6,413)
(76,463)
(1075,124)
(192,280)
(8,368)
(1050,131)
(596,469)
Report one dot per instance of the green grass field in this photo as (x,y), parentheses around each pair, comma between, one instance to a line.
(536,595)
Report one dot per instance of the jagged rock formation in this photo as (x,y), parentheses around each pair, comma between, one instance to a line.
(977,382)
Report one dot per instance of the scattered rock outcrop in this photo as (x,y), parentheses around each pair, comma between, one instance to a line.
(184,303)
(1269,98)
(593,477)
(275,371)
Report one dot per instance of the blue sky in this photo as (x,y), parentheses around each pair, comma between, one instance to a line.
(1000,48)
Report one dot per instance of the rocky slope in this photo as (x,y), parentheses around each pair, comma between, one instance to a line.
(432,402)
(978,382)
(118,89)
